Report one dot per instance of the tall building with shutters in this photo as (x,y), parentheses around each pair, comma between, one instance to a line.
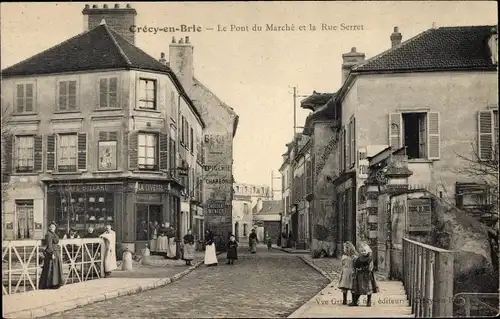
(435,96)
(100,132)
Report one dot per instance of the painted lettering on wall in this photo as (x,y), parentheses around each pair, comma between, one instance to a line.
(320,162)
(419,214)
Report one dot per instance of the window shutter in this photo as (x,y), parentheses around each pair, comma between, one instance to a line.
(38,153)
(51,152)
(82,151)
(103,136)
(485,138)
(395,130)
(433,136)
(347,145)
(164,144)
(353,142)
(7,158)
(113,136)
(133,152)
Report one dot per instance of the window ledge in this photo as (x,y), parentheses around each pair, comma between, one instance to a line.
(108,172)
(25,174)
(24,114)
(105,109)
(147,110)
(67,173)
(419,160)
(147,172)
(66,112)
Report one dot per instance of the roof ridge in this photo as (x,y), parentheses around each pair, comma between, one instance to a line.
(404,43)
(50,48)
(110,31)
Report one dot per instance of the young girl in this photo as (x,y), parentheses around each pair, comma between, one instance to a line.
(364,282)
(345,283)
(232,250)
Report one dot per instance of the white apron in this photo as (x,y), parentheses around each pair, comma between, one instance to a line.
(110,252)
(210,255)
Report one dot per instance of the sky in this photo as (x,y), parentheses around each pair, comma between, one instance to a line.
(252,71)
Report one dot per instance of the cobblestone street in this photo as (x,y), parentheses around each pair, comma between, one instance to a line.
(267,284)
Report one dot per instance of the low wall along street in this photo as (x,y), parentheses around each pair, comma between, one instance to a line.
(218,182)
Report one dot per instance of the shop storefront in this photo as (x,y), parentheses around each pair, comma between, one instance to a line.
(346,210)
(131,207)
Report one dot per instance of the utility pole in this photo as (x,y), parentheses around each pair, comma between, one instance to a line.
(294,110)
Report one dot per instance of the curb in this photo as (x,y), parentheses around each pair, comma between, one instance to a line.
(81,302)
(312,265)
(290,252)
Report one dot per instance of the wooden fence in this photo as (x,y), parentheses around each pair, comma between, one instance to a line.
(428,279)
(22,262)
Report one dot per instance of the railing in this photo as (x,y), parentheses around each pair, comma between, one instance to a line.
(22,262)
(428,279)
(476,304)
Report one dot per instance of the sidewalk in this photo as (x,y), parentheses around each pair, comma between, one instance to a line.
(292,250)
(41,303)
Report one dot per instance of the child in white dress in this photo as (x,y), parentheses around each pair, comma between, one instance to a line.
(345,283)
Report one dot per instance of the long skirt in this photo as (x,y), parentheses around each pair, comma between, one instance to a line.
(52,272)
(346,278)
(162,244)
(171,249)
(364,283)
(210,255)
(253,245)
(232,253)
(188,252)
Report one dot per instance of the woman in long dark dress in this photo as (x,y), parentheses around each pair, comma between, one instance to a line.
(188,254)
(363,282)
(232,250)
(52,273)
(253,241)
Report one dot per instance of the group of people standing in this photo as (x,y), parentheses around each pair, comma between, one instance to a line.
(357,274)
(52,272)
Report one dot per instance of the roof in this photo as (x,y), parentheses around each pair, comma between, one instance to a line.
(270,207)
(325,112)
(316,99)
(97,49)
(445,48)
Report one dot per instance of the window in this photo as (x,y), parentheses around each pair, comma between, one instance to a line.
(25,219)
(183,129)
(419,132)
(488,134)
(108,93)
(191,139)
(352,142)
(107,148)
(147,216)
(172,154)
(245,229)
(25,154)
(67,96)
(67,152)
(148,154)
(25,98)
(147,94)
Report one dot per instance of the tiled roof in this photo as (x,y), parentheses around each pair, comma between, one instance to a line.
(444,48)
(97,49)
(270,207)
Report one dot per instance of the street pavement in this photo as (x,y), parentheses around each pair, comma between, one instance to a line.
(267,284)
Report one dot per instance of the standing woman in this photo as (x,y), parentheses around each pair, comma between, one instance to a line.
(52,273)
(109,237)
(210,255)
(188,255)
(364,282)
(252,239)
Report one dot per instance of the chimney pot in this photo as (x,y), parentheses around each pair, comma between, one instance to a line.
(87,6)
(162,55)
(181,40)
(396,29)
(173,39)
(105,6)
(117,6)
(94,6)
(353,49)
(187,39)
(128,6)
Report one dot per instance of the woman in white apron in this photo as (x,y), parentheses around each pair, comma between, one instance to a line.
(210,254)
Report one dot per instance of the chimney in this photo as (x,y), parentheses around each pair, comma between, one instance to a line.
(118,19)
(396,38)
(350,60)
(181,61)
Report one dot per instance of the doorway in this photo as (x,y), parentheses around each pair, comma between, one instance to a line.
(146,216)
(237,231)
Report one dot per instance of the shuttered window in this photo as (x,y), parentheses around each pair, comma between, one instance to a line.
(172,157)
(147,94)
(487,134)
(148,151)
(24,154)
(67,96)
(25,97)
(108,93)
(433,136)
(352,142)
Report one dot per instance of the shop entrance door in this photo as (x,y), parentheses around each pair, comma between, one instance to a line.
(146,216)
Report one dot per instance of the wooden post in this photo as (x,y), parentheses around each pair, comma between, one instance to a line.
(443,286)
(429,281)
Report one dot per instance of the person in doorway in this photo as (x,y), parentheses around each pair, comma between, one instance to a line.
(52,273)
(91,233)
(210,254)
(188,254)
(109,237)
(363,282)
(345,283)
(232,250)
(253,241)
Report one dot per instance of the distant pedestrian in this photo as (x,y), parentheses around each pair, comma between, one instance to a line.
(52,273)
(232,250)
(210,254)
(253,241)
(188,254)
(364,282)
(269,242)
(345,283)
(109,237)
